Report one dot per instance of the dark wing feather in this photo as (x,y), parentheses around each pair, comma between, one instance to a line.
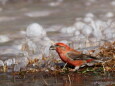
(76,56)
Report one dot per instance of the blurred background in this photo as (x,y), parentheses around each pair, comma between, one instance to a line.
(59,17)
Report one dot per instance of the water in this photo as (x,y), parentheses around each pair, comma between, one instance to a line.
(72,79)
(53,16)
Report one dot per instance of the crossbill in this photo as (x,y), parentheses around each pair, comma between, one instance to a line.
(72,56)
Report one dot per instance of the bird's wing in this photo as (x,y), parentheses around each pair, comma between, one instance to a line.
(76,56)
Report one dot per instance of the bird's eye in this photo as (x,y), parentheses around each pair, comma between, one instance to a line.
(57,45)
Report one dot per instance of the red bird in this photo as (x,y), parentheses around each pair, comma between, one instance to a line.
(71,56)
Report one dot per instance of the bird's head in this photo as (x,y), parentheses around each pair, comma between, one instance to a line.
(60,47)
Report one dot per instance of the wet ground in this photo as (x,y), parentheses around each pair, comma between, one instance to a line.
(52,15)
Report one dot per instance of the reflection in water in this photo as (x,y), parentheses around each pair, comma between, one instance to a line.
(72,79)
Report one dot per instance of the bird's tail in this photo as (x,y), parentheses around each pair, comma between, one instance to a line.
(97,61)
(94,62)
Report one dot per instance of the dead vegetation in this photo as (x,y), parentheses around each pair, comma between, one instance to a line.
(107,50)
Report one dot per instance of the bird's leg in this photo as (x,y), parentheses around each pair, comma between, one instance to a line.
(64,66)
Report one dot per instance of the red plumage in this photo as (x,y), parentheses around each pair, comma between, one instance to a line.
(71,56)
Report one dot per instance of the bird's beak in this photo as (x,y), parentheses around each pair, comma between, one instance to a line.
(52,47)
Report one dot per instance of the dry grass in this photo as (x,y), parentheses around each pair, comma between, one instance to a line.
(108,50)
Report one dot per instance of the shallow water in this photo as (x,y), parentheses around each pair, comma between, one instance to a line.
(45,79)
(14,19)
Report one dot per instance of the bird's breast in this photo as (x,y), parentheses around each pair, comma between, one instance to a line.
(64,58)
